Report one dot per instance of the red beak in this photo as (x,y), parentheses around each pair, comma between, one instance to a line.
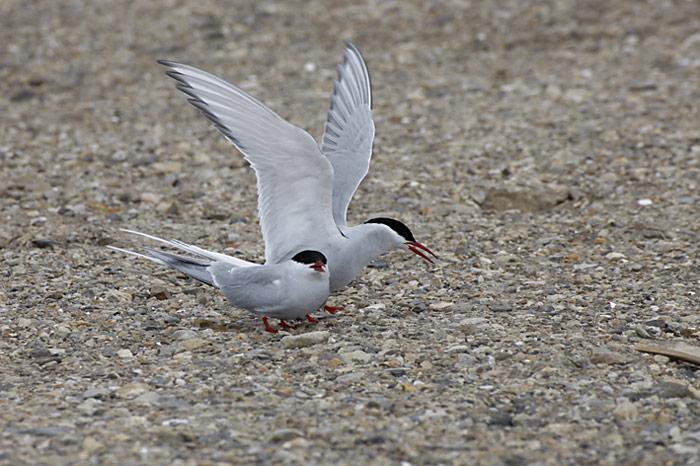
(318,266)
(417,248)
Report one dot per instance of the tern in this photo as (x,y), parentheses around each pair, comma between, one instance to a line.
(303,189)
(287,290)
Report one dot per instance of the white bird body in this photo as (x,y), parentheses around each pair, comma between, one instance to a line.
(288,290)
(304,190)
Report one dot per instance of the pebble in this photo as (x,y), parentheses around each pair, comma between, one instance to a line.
(184,334)
(91,445)
(131,390)
(285,435)
(125,353)
(614,256)
(97,392)
(668,389)
(42,243)
(24,323)
(193,344)
(147,398)
(603,356)
(661,359)
(354,356)
(305,339)
(626,411)
(90,406)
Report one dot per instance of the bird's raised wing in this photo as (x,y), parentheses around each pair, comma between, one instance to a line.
(349,132)
(294,179)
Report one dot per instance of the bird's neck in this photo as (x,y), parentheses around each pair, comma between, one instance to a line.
(364,243)
(370,240)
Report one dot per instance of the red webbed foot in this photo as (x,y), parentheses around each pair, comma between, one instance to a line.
(284,324)
(267,326)
(332,309)
(311,319)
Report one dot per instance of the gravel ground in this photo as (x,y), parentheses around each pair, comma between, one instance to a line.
(548,151)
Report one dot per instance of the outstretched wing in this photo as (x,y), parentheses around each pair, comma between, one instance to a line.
(349,132)
(294,179)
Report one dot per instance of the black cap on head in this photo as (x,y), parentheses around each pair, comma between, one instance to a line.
(309,257)
(400,228)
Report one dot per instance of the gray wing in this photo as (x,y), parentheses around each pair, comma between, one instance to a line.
(349,131)
(294,179)
(252,288)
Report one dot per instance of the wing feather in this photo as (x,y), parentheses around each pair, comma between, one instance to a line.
(294,180)
(349,131)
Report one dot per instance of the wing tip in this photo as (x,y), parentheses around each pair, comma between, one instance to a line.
(354,50)
(177,76)
(168,63)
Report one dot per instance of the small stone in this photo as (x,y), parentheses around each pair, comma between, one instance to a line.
(184,334)
(378,264)
(90,445)
(626,411)
(24,323)
(614,256)
(174,422)
(660,323)
(458,349)
(150,198)
(285,435)
(645,202)
(375,307)
(296,443)
(661,359)
(501,307)
(48,431)
(408,388)
(501,419)
(603,356)
(62,331)
(97,392)
(125,353)
(147,398)
(305,339)
(358,355)
(42,243)
(668,389)
(131,390)
(160,293)
(441,305)
(193,344)
(90,406)
(473,321)
(22,95)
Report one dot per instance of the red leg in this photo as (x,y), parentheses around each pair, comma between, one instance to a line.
(267,326)
(332,309)
(311,319)
(284,324)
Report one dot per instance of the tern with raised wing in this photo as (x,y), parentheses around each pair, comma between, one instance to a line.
(303,189)
(288,290)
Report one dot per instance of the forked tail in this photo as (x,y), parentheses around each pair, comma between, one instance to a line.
(190,266)
(195,267)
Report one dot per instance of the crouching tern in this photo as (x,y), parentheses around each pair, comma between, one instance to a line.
(303,189)
(287,290)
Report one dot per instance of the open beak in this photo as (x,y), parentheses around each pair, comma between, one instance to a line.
(318,266)
(417,248)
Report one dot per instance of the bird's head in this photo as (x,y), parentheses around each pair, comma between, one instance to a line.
(314,259)
(402,237)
